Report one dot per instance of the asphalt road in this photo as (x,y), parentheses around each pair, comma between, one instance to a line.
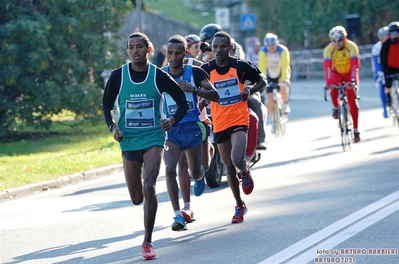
(312,203)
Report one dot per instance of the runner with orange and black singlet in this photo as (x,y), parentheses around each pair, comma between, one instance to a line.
(230,116)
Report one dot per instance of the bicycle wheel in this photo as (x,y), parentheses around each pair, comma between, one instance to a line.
(278,130)
(344,125)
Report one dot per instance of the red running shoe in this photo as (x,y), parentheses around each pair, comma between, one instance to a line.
(247,182)
(241,210)
(188,215)
(148,252)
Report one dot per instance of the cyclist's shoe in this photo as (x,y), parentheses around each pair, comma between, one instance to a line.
(188,215)
(148,252)
(261,146)
(179,224)
(385,113)
(356,136)
(335,112)
(247,182)
(240,211)
(272,130)
(286,109)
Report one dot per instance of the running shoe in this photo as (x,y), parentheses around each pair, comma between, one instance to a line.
(356,136)
(247,183)
(148,252)
(179,224)
(335,112)
(188,215)
(240,211)
(199,185)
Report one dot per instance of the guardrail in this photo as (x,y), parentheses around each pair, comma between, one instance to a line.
(308,63)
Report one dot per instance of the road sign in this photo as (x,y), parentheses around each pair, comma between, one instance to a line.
(222,17)
(248,22)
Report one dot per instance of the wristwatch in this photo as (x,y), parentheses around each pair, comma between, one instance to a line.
(111,127)
(195,90)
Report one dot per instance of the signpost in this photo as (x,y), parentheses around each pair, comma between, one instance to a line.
(248,21)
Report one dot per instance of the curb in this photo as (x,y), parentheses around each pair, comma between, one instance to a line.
(30,189)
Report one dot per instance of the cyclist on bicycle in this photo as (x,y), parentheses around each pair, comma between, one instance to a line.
(378,73)
(274,63)
(341,64)
(390,58)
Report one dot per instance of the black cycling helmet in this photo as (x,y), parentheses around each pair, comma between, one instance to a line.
(208,31)
(393,26)
(192,38)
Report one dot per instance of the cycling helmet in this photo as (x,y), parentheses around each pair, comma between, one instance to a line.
(270,39)
(337,32)
(191,39)
(393,26)
(208,31)
(382,33)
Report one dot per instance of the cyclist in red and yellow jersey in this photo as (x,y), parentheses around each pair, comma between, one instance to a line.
(341,64)
(230,115)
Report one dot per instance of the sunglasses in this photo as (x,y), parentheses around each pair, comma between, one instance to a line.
(394,33)
(337,40)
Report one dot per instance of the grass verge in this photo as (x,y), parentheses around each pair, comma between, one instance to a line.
(67,148)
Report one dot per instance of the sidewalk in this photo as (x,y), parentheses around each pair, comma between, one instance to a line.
(30,189)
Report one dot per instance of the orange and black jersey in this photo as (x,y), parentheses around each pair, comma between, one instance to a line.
(229,81)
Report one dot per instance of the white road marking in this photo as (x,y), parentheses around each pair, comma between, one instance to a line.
(391,204)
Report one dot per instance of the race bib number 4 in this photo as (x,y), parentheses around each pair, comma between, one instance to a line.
(140,114)
(229,91)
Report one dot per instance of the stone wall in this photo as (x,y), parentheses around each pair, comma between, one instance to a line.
(157,27)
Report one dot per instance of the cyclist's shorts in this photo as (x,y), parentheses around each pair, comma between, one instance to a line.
(388,81)
(187,135)
(272,80)
(225,135)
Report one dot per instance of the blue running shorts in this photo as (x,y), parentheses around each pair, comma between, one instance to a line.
(187,135)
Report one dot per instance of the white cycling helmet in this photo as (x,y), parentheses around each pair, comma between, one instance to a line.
(337,33)
(383,33)
(270,39)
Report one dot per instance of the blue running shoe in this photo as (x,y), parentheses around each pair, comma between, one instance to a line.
(199,187)
(179,224)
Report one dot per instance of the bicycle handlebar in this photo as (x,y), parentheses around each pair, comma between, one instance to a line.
(343,85)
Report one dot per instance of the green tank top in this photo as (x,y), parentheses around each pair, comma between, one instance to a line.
(137,109)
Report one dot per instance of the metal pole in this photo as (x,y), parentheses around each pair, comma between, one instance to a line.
(138,2)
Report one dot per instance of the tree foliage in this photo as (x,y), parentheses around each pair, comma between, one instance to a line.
(286,18)
(53,53)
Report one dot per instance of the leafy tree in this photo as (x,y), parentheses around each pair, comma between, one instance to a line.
(53,53)
(286,18)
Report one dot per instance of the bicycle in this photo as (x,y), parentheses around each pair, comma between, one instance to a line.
(394,109)
(279,118)
(345,123)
